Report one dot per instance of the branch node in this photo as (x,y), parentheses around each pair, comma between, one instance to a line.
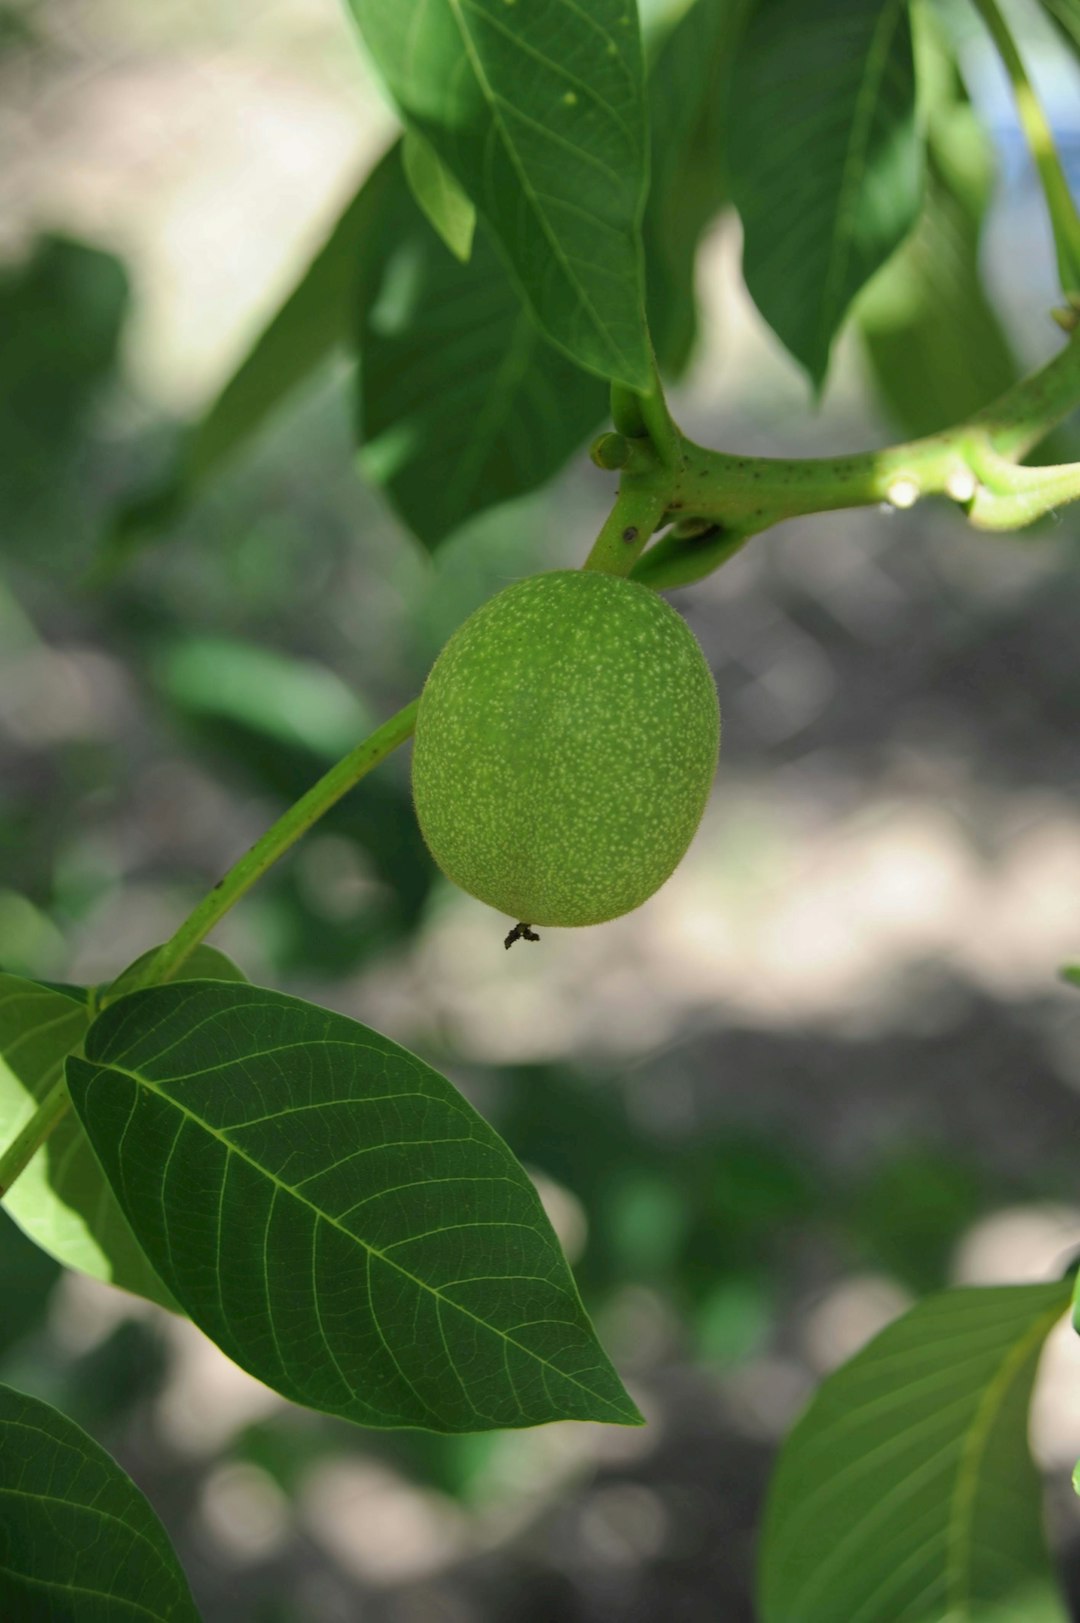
(610,451)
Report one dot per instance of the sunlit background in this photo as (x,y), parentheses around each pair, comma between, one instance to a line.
(829,1067)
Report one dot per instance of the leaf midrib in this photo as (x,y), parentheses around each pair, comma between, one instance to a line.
(998,1384)
(372,1250)
(962,1505)
(855,164)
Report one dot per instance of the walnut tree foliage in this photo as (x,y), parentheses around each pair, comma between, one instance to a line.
(518,271)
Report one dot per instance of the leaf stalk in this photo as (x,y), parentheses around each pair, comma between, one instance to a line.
(278,839)
(1061,206)
(283,834)
(26,1143)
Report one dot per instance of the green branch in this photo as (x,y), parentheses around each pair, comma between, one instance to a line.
(717,501)
(643,498)
(283,834)
(226,893)
(1020,419)
(714,503)
(26,1143)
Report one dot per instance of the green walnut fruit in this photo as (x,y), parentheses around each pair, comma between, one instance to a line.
(566,741)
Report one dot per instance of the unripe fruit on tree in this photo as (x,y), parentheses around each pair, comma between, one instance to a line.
(566,741)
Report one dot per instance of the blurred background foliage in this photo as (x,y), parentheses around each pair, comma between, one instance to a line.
(829,1067)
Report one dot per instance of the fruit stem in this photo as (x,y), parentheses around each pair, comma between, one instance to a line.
(639,506)
(650,467)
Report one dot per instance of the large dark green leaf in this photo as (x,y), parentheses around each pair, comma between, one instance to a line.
(463,403)
(689,92)
(61,1199)
(906,1493)
(335,1215)
(27,1277)
(539,113)
(78,1541)
(825,159)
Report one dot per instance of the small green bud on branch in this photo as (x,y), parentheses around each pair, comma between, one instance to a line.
(616,454)
(610,451)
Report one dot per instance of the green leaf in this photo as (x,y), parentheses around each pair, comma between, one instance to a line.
(62,1199)
(906,1493)
(335,1216)
(689,95)
(313,321)
(1066,13)
(1071,973)
(463,403)
(77,1538)
(825,159)
(933,339)
(936,347)
(539,113)
(27,1277)
(447,207)
(318,316)
(271,693)
(203,963)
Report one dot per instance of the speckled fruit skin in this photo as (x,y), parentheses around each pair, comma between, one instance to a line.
(566,742)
